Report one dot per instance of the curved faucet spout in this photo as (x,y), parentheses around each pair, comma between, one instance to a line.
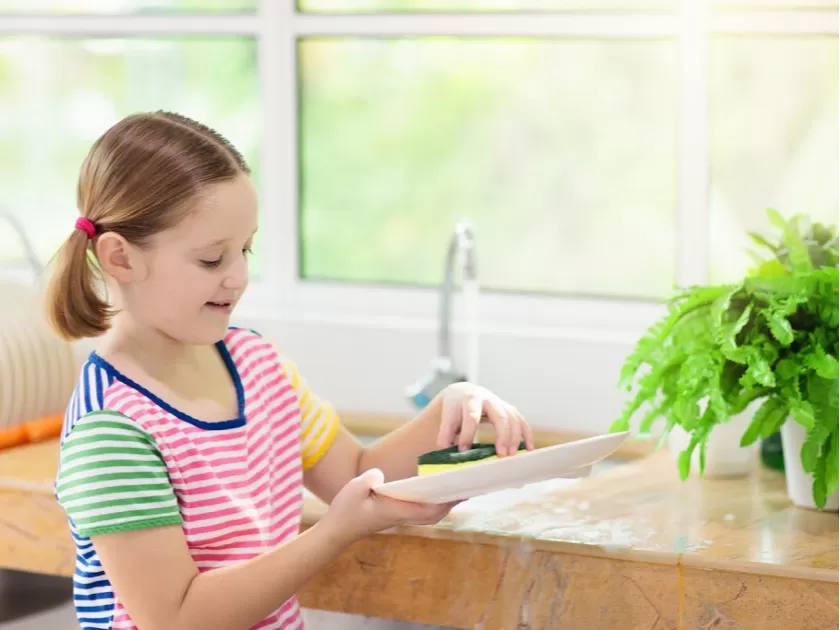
(460,255)
(461,248)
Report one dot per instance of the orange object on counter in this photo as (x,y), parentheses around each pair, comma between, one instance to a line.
(13,437)
(38,430)
(44,428)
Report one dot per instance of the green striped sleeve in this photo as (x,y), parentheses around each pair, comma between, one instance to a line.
(112,477)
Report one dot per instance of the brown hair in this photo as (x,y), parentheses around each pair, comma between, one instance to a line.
(136,181)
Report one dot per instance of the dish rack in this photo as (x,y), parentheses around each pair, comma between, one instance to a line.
(37,368)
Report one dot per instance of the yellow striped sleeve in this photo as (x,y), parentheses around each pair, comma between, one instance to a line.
(319,420)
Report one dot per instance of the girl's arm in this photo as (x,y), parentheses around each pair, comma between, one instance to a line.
(452,417)
(156,579)
(395,454)
(158,582)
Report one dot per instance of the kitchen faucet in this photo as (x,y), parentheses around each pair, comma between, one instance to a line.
(461,251)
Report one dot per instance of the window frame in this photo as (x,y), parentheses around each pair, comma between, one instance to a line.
(536,330)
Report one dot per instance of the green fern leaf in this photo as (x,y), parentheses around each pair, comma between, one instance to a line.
(721,305)
(780,327)
(775,420)
(684,462)
(763,242)
(766,421)
(831,464)
(622,423)
(799,258)
(776,219)
(619,425)
(803,413)
(819,488)
(814,440)
(717,401)
(769,289)
(758,370)
(669,425)
(823,364)
(822,394)
(658,333)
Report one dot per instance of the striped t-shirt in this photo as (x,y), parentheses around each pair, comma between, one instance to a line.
(131,461)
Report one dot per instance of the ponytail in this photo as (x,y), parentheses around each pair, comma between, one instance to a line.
(75,308)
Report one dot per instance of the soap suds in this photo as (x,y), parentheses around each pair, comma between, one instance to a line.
(521,512)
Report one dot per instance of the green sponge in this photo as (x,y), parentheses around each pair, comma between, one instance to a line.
(449,458)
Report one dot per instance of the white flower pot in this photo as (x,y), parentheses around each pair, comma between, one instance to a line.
(724,455)
(800,483)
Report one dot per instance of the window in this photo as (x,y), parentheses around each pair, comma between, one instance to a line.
(561,152)
(605,151)
(774,137)
(58,94)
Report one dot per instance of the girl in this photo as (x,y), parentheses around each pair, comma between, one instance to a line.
(187,442)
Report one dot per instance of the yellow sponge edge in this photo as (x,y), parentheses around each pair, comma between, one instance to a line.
(431,469)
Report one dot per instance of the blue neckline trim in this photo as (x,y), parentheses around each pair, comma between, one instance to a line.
(201,424)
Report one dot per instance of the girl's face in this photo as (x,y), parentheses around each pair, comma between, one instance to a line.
(188,279)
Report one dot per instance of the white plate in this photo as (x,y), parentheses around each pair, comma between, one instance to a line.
(569,461)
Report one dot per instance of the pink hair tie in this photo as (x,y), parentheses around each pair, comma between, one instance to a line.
(86,225)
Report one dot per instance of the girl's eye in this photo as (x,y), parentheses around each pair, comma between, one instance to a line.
(210,264)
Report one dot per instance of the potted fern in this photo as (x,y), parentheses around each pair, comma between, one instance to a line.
(810,461)
(768,343)
(821,241)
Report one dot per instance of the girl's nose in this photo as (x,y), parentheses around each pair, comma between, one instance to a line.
(237,276)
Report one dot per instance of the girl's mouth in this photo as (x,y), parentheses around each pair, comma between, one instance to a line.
(225,307)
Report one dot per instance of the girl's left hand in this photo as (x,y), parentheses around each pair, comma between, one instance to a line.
(466,405)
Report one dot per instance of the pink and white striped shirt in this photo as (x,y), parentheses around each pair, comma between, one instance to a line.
(130,461)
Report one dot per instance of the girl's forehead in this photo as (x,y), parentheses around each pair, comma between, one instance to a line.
(224,211)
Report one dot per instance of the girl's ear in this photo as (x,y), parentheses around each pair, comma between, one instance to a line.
(119,259)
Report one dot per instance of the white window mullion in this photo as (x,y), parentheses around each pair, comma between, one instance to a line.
(775,23)
(278,221)
(114,25)
(489,24)
(693,214)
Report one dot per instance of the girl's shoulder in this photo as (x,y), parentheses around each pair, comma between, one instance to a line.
(252,354)
(243,344)
(94,385)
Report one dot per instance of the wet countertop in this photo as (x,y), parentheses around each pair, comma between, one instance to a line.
(630,547)
(642,511)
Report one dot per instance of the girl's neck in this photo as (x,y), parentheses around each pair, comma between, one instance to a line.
(147,348)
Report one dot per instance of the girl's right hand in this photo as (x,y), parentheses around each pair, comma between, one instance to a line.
(357,511)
